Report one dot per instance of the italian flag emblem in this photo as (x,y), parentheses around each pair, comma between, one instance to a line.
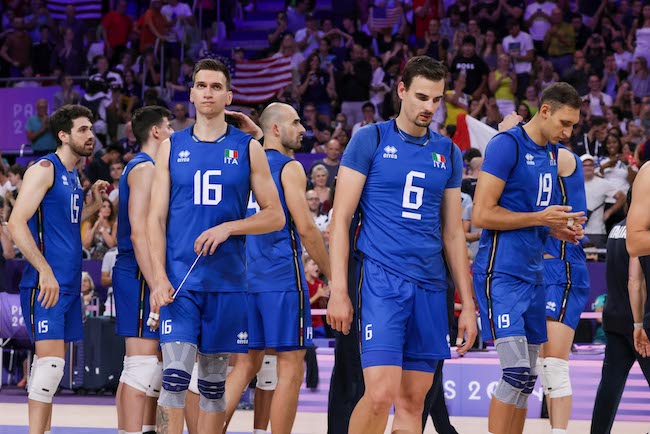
(438,158)
(229,153)
(551,156)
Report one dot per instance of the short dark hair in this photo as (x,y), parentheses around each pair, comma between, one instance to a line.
(597,121)
(146,118)
(423,66)
(560,94)
(368,105)
(469,40)
(17,169)
(471,153)
(212,65)
(63,118)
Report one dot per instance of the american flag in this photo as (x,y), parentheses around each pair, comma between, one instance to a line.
(84,9)
(258,81)
(382,17)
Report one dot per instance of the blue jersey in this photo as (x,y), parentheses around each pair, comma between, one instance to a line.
(401,199)
(529,172)
(125,254)
(570,191)
(275,259)
(210,182)
(56,230)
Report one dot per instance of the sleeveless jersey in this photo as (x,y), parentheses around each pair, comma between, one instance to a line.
(401,199)
(210,182)
(56,230)
(274,260)
(529,172)
(617,313)
(570,190)
(125,254)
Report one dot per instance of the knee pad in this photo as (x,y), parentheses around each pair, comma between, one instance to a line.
(267,377)
(155,384)
(194,382)
(540,373)
(515,363)
(46,376)
(533,356)
(178,359)
(138,370)
(212,382)
(556,373)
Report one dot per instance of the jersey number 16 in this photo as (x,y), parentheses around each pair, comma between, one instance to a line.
(205,192)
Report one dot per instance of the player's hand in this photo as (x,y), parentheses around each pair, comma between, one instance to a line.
(568,234)
(155,323)
(510,121)
(557,216)
(161,295)
(339,311)
(48,289)
(641,342)
(466,329)
(246,124)
(210,239)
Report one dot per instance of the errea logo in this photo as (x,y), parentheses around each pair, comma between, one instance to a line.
(390,152)
(242,338)
(183,157)
(551,306)
(64,179)
(530,160)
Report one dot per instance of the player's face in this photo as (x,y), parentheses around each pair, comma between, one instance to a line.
(291,131)
(421,100)
(164,130)
(209,93)
(82,139)
(558,124)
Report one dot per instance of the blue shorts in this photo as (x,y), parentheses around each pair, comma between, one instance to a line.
(63,321)
(216,322)
(400,323)
(510,307)
(280,320)
(132,304)
(566,293)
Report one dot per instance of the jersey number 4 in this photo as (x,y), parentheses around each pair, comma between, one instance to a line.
(412,196)
(206,192)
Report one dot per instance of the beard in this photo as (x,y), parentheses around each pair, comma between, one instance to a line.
(81,149)
(420,123)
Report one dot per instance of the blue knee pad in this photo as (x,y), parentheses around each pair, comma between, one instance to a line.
(212,390)
(517,377)
(213,369)
(176,380)
(178,360)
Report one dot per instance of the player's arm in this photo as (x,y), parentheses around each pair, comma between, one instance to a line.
(638,217)
(162,289)
(637,290)
(36,182)
(140,180)
(269,219)
(294,183)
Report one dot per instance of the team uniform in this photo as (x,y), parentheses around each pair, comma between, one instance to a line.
(279,314)
(56,231)
(401,300)
(566,277)
(130,288)
(508,270)
(210,182)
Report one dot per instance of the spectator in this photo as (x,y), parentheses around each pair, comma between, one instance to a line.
(503,84)
(102,72)
(99,168)
(472,234)
(578,74)
(473,161)
(5,184)
(153,26)
(598,191)
(178,15)
(317,87)
(452,24)
(319,175)
(475,69)
(369,117)
(116,173)
(616,169)
(108,262)
(598,101)
(77,26)
(116,29)
(523,110)
(610,80)
(559,41)
(598,305)
(181,119)
(320,220)
(100,233)
(614,117)
(27,73)
(39,17)
(309,36)
(296,16)
(491,49)
(519,45)
(94,47)
(90,300)
(275,38)
(318,294)
(456,100)
(622,57)
(353,84)
(44,52)
(359,37)
(532,100)
(333,150)
(593,142)
(641,32)
(538,21)
(15,176)
(378,86)
(16,50)
(38,131)
(595,52)
(316,133)
(68,58)
(640,79)
(67,94)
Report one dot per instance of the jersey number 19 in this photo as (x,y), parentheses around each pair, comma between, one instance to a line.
(545,189)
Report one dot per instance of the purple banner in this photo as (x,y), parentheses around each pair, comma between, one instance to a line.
(307,160)
(12,323)
(18,105)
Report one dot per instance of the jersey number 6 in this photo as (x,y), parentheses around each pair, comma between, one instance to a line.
(412,190)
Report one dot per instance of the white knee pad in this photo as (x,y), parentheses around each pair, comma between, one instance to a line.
(194,382)
(267,377)
(138,371)
(155,384)
(541,374)
(46,376)
(556,375)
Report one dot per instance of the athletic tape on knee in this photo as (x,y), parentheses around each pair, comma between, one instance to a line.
(178,358)
(46,376)
(212,382)
(138,370)
(194,382)
(155,384)
(267,377)
(556,373)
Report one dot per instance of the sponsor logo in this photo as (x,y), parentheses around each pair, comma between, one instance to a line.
(530,160)
(551,305)
(242,338)
(390,152)
(183,157)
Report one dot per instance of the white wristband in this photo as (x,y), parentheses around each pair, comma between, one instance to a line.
(638,325)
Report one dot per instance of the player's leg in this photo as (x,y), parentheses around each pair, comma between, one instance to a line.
(243,370)
(213,369)
(382,389)
(267,380)
(290,372)
(410,401)
(192,402)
